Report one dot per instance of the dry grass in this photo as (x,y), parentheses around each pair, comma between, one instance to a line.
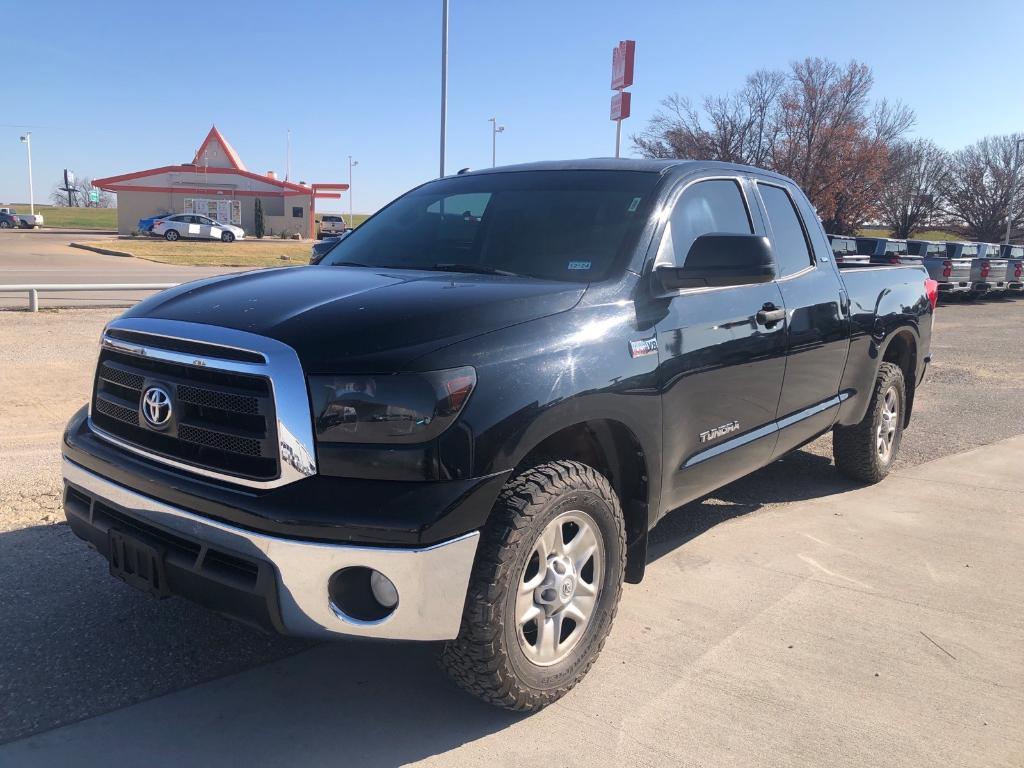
(212,253)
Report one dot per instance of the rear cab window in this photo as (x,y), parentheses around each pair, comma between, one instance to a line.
(789,239)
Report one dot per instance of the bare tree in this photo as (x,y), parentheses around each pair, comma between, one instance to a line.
(80,195)
(979,185)
(911,190)
(739,127)
(815,123)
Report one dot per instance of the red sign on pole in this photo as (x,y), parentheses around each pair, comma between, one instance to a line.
(622,64)
(620,105)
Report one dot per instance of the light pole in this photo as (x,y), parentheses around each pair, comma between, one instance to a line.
(1014,182)
(495,130)
(351,164)
(27,141)
(444,75)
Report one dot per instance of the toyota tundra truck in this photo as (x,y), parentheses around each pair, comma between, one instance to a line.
(461,424)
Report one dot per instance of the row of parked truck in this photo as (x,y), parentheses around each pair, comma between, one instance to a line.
(962,269)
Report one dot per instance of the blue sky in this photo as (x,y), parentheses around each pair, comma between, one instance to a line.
(113,87)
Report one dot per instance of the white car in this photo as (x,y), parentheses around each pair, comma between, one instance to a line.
(190,225)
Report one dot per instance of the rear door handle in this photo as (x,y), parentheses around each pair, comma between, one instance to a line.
(769,315)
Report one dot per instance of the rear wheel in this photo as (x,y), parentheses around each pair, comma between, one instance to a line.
(171,234)
(544,590)
(5,225)
(866,451)
(227,237)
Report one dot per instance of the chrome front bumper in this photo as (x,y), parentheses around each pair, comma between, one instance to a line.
(431,581)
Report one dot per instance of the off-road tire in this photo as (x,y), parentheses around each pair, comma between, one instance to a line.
(486,659)
(855,448)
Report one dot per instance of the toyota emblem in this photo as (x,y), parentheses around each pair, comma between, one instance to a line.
(156,407)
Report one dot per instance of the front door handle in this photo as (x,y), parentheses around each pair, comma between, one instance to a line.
(769,315)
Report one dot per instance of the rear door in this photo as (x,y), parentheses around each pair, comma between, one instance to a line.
(720,371)
(818,329)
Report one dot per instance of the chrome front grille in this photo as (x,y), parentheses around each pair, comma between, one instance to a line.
(220,420)
(239,403)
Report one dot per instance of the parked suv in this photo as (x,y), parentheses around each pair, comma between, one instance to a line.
(952,275)
(887,250)
(1014,255)
(461,425)
(957,253)
(845,251)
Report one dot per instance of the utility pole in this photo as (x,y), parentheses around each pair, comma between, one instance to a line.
(495,130)
(351,163)
(444,76)
(27,141)
(1015,183)
(288,154)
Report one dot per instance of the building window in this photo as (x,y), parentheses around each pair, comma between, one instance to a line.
(296,211)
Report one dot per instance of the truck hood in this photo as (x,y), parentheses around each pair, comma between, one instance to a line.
(354,319)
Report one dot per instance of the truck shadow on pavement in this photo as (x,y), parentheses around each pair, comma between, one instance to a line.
(798,476)
(77,644)
(147,682)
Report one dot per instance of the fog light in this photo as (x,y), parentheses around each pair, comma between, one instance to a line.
(383,590)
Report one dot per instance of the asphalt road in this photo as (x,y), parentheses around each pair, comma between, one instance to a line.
(699,668)
(39,256)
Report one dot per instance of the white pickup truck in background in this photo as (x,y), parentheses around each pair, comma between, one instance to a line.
(28,220)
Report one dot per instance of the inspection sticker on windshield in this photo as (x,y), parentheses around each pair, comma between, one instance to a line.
(633,204)
(579,265)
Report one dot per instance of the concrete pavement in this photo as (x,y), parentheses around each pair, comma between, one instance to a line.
(868,626)
(45,257)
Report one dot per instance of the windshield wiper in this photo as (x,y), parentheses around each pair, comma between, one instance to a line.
(474,269)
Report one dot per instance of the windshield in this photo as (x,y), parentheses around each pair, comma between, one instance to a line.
(555,225)
(970,250)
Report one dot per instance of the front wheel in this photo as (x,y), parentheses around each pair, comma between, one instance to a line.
(544,589)
(227,237)
(171,234)
(5,225)
(866,451)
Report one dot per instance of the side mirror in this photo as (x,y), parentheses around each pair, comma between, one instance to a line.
(717,260)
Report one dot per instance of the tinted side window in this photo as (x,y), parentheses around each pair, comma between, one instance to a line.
(791,253)
(710,206)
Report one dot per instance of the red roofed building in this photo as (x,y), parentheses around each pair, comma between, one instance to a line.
(217,184)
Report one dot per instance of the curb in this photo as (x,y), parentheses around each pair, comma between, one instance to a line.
(105,251)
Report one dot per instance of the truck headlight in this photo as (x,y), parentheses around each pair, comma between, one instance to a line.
(390,408)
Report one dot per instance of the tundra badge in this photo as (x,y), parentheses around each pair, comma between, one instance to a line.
(717,432)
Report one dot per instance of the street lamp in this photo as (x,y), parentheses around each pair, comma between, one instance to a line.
(495,130)
(1013,188)
(351,164)
(27,141)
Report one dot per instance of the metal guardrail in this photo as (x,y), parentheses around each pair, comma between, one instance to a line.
(33,289)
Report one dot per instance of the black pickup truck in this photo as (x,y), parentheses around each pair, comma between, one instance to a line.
(462,423)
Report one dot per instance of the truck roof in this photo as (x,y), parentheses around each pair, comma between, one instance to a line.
(620,164)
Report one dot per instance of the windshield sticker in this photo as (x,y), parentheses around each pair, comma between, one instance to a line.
(633,205)
(579,265)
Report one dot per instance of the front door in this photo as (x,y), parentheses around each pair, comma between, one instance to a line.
(721,371)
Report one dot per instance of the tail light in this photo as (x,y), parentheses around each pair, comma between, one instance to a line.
(931,290)
(947,269)
(894,259)
(1017,270)
(985,269)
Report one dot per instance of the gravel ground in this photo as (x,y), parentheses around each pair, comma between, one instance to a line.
(75,642)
